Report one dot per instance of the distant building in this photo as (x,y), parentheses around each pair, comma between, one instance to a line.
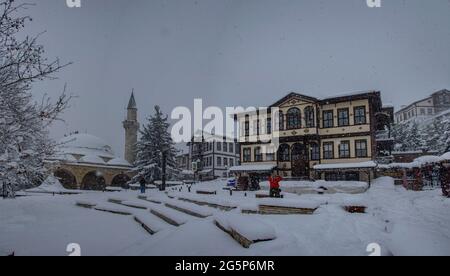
(430,106)
(86,162)
(217,154)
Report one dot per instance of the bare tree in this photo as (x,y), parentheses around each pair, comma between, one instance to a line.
(24,141)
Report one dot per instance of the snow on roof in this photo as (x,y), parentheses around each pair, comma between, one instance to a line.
(254,168)
(362,165)
(119,162)
(85,144)
(446,156)
(64,157)
(92,159)
(429,159)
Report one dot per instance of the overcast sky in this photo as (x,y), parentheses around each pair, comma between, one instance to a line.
(236,52)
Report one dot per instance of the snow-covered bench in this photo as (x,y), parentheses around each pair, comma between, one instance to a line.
(85,204)
(245,230)
(151,200)
(275,206)
(151,224)
(112,208)
(170,216)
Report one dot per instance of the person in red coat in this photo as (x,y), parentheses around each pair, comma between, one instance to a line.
(275,190)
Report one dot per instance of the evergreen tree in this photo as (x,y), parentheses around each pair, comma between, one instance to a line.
(155,139)
(24,142)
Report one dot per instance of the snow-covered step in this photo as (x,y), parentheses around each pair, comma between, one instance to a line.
(150,199)
(113,208)
(170,216)
(246,230)
(189,208)
(85,204)
(211,201)
(150,223)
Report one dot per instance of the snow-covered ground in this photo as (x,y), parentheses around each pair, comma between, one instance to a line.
(402,222)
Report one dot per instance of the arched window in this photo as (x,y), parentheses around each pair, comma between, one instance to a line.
(284,153)
(293,118)
(309,117)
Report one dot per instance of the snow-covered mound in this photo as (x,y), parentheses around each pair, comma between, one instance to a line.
(50,185)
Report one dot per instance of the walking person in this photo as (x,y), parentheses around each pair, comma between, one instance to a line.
(142,185)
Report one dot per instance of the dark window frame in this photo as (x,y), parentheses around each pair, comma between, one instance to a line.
(310,118)
(247,155)
(343,121)
(344,153)
(258,155)
(284,156)
(360,119)
(326,152)
(326,120)
(361,152)
(315,152)
(294,118)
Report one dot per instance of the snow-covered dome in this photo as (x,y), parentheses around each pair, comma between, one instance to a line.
(92,159)
(119,162)
(84,145)
(64,157)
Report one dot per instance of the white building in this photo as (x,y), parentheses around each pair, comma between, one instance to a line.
(430,106)
(217,154)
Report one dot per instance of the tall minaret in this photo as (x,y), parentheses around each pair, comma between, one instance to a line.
(131,127)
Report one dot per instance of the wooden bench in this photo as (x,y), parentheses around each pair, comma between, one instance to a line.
(281,210)
(355,209)
(200,192)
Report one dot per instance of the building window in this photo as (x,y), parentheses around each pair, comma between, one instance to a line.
(315,152)
(231,162)
(294,118)
(225,147)
(343,117)
(344,149)
(256,127)
(422,111)
(328,150)
(219,161)
(258,155)
(360,115)
(361,148)
(247,126)
(309,117)
(225,162)
(247,155)
(281,121)
(328,119)
(430,111)
(283,153)
(269,126)
(270,157)
(231,147)
(219,146)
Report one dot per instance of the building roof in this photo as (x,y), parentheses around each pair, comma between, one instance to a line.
(259,168)
(361,165)
(132,102)
(85,144)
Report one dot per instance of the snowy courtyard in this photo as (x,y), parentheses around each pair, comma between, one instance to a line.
(157,223)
